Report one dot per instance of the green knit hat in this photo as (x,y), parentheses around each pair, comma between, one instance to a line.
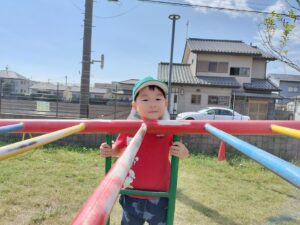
(147,81)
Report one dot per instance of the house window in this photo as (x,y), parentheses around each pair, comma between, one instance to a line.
(292,89)
(240,71)
(214,67)
(218,100)
(196,99)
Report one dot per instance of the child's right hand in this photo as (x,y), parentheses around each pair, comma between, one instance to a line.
(106,150)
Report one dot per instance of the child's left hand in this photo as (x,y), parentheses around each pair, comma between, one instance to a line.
(178,149)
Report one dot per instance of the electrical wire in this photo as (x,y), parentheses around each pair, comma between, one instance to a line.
(213,7)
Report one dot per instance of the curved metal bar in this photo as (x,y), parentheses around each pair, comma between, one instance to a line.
(282,168)
(287,131)
(24,146)
(11,128)
(97,209)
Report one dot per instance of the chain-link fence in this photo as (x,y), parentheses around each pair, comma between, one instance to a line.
(288,109)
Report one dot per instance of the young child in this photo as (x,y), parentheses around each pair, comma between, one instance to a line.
(151,169)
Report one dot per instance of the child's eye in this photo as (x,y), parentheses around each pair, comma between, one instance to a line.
(145,100)
(158,99)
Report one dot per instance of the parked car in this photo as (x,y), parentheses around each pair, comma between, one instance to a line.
(212,113)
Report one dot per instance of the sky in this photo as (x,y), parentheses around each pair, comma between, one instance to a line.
(42,39)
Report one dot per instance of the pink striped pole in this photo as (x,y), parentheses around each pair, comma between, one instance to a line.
(97,209)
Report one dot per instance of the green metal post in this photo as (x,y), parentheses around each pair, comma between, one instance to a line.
(173,186)
(108,162)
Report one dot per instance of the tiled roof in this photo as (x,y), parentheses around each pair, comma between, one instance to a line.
(285,77)
(11,75)
(182,74)
(226,47)
(261,85)
(257,95)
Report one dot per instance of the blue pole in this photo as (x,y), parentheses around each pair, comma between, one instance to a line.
(282,168)
(11,128)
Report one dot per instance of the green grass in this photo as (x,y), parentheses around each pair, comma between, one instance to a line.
(49,186)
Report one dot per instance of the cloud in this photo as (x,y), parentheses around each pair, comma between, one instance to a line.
(279,7)
(232,4)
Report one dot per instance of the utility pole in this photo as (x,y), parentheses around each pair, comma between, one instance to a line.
(86,60)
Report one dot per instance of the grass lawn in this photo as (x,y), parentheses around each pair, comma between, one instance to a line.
(49,186)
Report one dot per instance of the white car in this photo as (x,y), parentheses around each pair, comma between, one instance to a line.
(212,113)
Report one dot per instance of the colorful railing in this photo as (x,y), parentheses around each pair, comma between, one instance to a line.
(98,207)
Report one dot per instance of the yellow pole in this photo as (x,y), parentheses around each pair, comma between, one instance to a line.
(24,146)
(287,131)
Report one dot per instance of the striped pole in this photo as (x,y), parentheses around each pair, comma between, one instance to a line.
(97,209)
(282,168)
(11,128)
(287,131)
(24,146)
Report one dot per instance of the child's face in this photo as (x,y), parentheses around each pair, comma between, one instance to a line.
(150,104)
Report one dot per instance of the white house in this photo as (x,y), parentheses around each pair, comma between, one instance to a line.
(14,83)
(226,73)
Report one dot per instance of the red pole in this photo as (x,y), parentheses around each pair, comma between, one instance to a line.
(97,209)
(176,127)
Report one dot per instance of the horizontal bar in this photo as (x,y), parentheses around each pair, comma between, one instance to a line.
(11,128)
(287,131)
(98,207)
(144,193)
(24,146)
(282,168)
(176,127)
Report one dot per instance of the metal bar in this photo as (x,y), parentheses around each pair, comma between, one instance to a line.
(177,127)
(287,131)
(97,209)
(144,193)
(173,186)
(11,128)
(282,168)
(108,163)
(24,146)
(108,159)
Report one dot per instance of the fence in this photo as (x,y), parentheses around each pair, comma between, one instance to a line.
(58,108)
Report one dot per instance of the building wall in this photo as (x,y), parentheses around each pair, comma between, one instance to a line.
(284,85)
(233,61)
(192,60)
(18,86)
(259,69)
(184,101)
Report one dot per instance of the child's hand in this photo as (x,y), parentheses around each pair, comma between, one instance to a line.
(106,150)
(178,149)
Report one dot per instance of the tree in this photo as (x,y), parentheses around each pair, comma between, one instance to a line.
(276,33)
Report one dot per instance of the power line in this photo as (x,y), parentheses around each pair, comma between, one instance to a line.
(212,7)
(118,15)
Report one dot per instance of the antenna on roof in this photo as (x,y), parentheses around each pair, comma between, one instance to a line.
(187,29)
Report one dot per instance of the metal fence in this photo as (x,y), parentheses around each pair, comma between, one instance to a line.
(53,106)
